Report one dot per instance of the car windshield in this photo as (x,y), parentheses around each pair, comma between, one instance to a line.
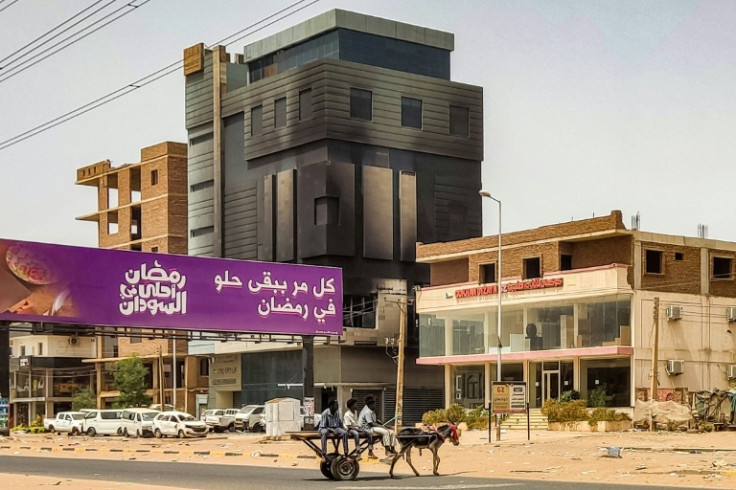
(77,416)
(148,415)
(187,418)
(247,409)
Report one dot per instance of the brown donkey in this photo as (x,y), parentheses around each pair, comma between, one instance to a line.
(418,438)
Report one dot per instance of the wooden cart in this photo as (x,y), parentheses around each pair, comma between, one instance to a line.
(336,466)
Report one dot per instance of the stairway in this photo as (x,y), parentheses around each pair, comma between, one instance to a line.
(517,421)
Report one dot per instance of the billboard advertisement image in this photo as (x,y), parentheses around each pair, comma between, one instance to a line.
(61,284)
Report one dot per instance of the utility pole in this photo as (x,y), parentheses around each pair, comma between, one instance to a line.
(308,379)
(161,379)
(5,369)
(173,371)
(398,419)
(655,356)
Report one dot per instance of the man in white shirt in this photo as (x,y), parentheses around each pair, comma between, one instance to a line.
(368,421)
(353,426)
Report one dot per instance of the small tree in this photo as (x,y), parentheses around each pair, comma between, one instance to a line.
(84,398)
(130,380)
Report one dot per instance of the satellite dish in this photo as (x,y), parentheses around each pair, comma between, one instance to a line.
(531,330)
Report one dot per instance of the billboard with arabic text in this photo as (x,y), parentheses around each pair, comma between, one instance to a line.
(42,282)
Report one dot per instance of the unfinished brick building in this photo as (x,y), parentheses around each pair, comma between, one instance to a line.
(143,206)
(578,312)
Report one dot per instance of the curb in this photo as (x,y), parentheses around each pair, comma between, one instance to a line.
(171,452)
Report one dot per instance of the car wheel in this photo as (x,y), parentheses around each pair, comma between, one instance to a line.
(325,467)
(181,434)
(344,469)
(91,432)
(231,427)
(51,429)
(125,432)
(120,431)
(258,428)
(138,433)
(74,431)
(157,433)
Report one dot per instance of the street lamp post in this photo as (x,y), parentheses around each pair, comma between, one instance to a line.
(484,193)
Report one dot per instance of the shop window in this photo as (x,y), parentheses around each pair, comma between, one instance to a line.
(565,262)
(487,273)
(532,268)
(305,104)
(256,120)
(411,113)
(722,267)
(361,104)
(653,260)
(279,112)
(459,121)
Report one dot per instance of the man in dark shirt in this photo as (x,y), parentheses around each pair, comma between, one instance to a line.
(330,425)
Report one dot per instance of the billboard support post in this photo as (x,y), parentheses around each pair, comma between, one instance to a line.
(308,377)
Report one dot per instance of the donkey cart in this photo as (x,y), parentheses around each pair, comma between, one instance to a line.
(336,466)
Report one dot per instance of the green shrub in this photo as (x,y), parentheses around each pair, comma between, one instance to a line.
(572,411)
(456,413)
(597,397)
(434,417)
(477,419)
(570,395)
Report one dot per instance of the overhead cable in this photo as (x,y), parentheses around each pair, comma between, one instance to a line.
(157,75)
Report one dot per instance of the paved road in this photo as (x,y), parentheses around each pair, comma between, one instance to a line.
(214,476)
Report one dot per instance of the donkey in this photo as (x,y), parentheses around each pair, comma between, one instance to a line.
(418,438)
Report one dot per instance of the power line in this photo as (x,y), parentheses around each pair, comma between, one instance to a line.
(142,82)
(17,51)
(28,63)
(8,5)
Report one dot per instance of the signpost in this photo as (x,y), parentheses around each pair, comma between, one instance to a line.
(508,397)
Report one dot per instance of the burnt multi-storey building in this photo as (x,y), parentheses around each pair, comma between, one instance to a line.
(340,141)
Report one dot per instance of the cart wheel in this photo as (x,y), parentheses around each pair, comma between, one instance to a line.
(326,467)
(343,469)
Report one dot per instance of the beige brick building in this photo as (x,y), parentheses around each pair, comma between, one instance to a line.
(578,312)
(143,206)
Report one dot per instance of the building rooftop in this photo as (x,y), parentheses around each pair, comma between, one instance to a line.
(336,19)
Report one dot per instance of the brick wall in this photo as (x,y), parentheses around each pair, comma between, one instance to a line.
(678,276)
(722,287)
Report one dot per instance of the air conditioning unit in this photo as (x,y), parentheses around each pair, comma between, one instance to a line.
(674,312)
(731,313)
(732,371)
(674,367)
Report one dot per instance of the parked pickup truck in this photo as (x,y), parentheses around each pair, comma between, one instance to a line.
(69,422)
(220,419)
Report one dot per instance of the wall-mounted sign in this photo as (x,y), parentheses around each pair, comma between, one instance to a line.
(510,288)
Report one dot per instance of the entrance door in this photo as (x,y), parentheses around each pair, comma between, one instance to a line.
(550,385)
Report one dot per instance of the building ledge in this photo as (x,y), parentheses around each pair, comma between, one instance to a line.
(587,352)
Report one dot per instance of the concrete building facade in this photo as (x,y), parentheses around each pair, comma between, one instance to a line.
(340,141)
(578,312)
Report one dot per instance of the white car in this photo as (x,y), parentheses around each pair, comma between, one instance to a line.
(251,417)
(69,422)
(220,419)
(138,422)
(103,422)
(178,424)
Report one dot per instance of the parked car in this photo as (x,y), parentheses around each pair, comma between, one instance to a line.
(251,417)
(104,422)
(178,424)
(220,419)
(138,422)
(69,422)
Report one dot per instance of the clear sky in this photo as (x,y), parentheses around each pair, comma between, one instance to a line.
(589,106)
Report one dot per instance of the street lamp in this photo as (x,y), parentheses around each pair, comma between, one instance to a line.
(487,194)
(484,193)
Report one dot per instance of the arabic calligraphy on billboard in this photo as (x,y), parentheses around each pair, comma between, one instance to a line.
(90,286)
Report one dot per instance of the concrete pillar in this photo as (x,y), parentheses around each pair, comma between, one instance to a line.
(449,385)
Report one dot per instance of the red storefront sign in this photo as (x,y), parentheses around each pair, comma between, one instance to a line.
(509,288)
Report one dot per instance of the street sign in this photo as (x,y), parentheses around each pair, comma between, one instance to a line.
(508,397)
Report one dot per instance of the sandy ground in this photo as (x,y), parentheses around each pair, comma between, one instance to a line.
(657,459)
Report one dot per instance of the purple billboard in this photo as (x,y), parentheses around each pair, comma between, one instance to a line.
(41,282)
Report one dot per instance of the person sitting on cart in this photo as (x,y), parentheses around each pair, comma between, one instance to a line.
(369,422)
(354,429)
(331,426)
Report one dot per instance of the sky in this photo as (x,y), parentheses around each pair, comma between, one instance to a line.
(588,106)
